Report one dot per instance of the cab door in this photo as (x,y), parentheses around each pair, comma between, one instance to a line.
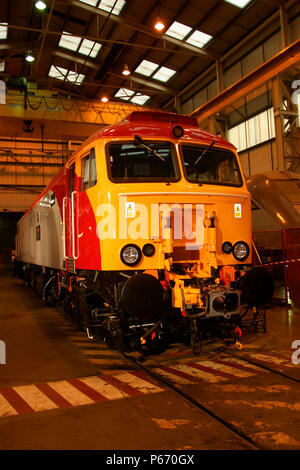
(88,246)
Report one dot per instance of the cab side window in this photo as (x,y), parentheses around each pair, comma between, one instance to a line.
(88,171)
(71,177)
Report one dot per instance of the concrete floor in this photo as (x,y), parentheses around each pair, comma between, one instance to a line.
(43,348)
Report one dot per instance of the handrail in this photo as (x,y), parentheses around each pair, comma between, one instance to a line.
(64,226)
(73,227)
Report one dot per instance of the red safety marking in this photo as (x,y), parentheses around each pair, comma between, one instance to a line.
(52,394)
(84,388)
(235,365)
(279,262)
(212,371)
(121,385)
(140,375)
(180,373)
(16,401)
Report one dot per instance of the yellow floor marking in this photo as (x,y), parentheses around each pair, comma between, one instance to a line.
(5,408)
(224,368)
(201,374)
(280,438)
(100,352)
(35,398)
(170,423)
(268,405)
(104,388)
(137,383)
(70,393)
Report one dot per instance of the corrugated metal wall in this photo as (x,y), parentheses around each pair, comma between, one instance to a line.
(260,54)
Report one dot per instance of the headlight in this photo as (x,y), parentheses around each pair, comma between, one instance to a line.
(240,251)
(131,255)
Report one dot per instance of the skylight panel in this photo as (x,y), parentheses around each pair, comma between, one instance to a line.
(146,68)
(3,30)
(199,39)
(164,74)
(57,72)
(239,3)
(75,77)
(93,3)
(89,48)
(178,30)
(139,99)
(69,42)
(107,5)
(124,94)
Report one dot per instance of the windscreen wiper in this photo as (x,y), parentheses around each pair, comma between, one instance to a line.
(140,141)
(204,152)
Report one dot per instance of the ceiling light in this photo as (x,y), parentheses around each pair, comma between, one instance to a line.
(159,25)
(29,57)
(40,5)
(104,99)
(126,70)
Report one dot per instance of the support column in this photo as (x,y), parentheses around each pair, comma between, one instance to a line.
(177,104)
(277,101)
(219,70)
(284,26)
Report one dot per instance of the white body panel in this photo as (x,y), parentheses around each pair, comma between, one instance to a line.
(49,250)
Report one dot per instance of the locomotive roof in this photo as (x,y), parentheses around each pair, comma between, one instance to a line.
(157,124)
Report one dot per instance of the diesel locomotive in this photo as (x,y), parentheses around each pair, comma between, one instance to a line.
(145,233)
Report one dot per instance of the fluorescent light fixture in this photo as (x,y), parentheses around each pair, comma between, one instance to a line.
(107,5)
(199,39)
(75,77)
(124,94)
(57,72)
(239,3)
(3,30)
(146,68)
(139,99)
(89,48)
(164,74)
(29,57)
(40,5)
(178,30)
(69,42)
